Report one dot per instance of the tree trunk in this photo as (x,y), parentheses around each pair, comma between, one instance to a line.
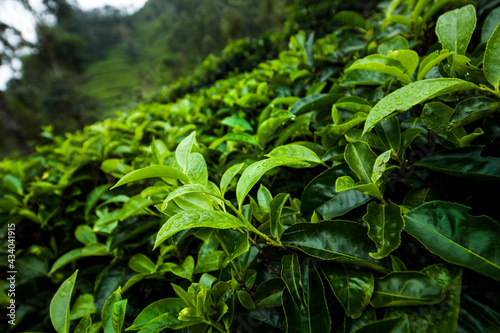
(11,127)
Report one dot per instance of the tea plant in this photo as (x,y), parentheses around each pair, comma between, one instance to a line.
(338,188)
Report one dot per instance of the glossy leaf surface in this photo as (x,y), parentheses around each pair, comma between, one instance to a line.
(254,172)
(463,162)
(196,219)
(491,56)
(353,287)
(152,172)
(448,231)
(385,224)
(406,288)
(454,28)
(60,303)
(320,194)
(413,94)
(341,241)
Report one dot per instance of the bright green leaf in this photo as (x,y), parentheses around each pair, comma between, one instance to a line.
(196,219)
(413,94)
(454,28)
(152,172)
(60,305)
(255,171)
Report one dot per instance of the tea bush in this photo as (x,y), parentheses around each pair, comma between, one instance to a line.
(338,188)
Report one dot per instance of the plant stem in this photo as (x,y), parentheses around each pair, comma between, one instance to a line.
(495,92)
(251,227)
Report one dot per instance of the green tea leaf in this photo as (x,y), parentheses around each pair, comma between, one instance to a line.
(60,305)
(380,165)
(341,241)
(361,159)
(118,315)
(489,24)
(85,235)
(463,162)
(413,94)
(152,172)
(269,293)
(352,287)
(320,194)
(255,171)
(381,64)
(442,317)
(390,134)
(392,325)
(385,224)
(314,102)
(228,176)
(84,325)
(245,299)
(430,61)
(141,264)
(346,183)
(454,28)
(407,58)
(183,151)
(436,116)
(197,169)
(448,231)
(196,219)
(237,137)
(108,317)
(185,270)
(406,288)
(471,110)
(295,151)
(275,209)
(291,275)
(161,308)
(316,317)
(84,305)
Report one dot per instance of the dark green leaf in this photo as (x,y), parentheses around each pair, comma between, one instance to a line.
(291,275)
(385,224)
(314,102)
(393,325)
(390,134)
(341,241)
(406,288)
(320,194)
(269,293)
(472,109)
(316,317)
(463,162)
(353,287)
(448,231)
(275,209)
(491,55)
(361,159)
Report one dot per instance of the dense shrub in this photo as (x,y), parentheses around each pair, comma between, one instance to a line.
(340,187)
